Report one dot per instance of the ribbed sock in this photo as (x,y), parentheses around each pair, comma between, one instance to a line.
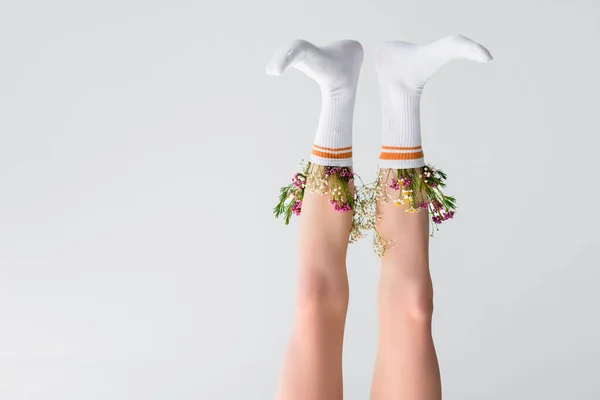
(335,67)
(403,69)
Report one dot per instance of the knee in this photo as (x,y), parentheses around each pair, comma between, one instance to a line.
(413,299)
(322,289)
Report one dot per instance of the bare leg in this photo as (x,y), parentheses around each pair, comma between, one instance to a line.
(406,366)
(312,367)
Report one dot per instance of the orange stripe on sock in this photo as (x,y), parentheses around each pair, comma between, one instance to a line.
(401,148)
(331,155)
(401,156)
(330,149)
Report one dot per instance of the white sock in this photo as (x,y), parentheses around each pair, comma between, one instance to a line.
(335,67)
(403,70)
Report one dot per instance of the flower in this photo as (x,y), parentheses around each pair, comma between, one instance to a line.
(297,207)
(437,205)
(449,215)
(346,173)
(395,185)
(331,170)
(333,182)
(299,181)
(343,207)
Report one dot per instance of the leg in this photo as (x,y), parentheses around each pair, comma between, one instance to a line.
(312,368)
(406,366)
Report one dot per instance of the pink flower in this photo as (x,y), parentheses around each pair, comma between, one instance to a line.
(395,185)
(341,208)
(297,207)
(298,180)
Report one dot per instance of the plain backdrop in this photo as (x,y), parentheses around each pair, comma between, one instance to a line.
(141,151)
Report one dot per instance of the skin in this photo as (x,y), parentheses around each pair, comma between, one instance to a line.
(406,366)
(312,368)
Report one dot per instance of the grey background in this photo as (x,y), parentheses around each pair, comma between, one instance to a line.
(141,151)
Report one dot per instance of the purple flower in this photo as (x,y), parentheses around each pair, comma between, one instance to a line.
(331,170)
(438,219)
(343,172)
(346,173)
(395,184)
(297,207)
(424,205)
(406,182)
(341,208)
(298,181)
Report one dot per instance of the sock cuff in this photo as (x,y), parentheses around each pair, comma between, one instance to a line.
(333,141)
(330,156)
(397,157)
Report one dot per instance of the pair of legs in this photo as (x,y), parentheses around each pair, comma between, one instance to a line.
(406,366)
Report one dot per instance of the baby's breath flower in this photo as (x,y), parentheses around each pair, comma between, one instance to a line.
(419,187)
